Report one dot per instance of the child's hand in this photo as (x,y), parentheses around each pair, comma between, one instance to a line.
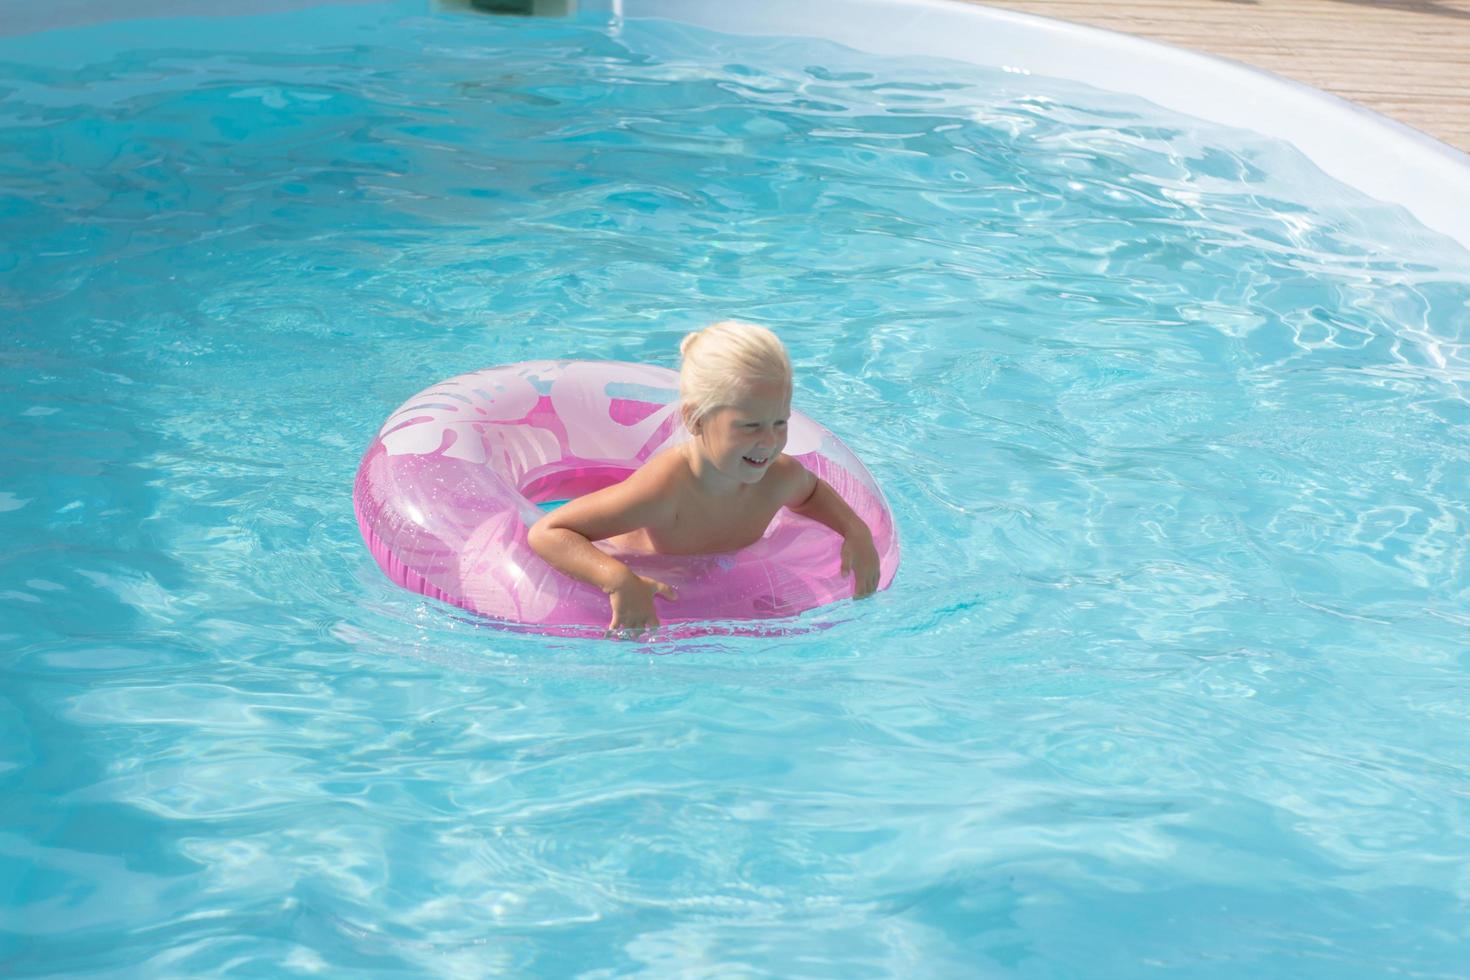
(861,558)
(632,603)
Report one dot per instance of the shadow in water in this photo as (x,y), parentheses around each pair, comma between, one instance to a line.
(514,8)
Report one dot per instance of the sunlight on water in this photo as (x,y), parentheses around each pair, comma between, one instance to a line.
(1174,428)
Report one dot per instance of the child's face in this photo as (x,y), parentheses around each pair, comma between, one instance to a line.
(743,439)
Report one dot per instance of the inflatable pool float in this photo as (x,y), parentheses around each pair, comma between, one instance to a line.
(451,484)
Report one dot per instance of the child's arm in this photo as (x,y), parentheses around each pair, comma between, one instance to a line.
(816,499)
(563,539)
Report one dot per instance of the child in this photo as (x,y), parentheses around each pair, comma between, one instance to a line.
(717,492)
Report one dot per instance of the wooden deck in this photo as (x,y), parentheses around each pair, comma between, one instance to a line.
(1408,59)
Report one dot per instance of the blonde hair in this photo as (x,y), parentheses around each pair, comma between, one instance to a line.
(726,360)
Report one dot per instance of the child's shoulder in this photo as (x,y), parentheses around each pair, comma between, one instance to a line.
(791,479)
(787,467)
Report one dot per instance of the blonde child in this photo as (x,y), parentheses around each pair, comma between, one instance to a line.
(717,492)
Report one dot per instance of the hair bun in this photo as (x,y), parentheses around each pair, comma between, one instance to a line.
(688,342)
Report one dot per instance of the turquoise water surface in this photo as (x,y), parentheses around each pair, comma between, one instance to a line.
(1173,677)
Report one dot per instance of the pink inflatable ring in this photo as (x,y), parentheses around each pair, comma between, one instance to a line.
(450,486)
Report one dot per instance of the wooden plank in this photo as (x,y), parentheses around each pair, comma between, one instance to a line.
(1408,59)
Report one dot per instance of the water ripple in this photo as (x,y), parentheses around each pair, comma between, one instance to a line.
(1173,427)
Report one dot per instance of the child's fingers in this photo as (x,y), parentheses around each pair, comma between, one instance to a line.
(631,633)
(630,627)
(660,588)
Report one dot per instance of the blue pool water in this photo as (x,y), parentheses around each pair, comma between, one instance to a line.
(1173,679)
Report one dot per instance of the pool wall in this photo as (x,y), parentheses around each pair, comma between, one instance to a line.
(1378,156)
(1382,158)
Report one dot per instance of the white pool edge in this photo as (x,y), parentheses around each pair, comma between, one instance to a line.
(1381,157)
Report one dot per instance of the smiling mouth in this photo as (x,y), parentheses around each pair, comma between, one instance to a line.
(756,460)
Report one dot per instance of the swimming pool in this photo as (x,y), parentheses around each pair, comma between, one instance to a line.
(1172,679)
